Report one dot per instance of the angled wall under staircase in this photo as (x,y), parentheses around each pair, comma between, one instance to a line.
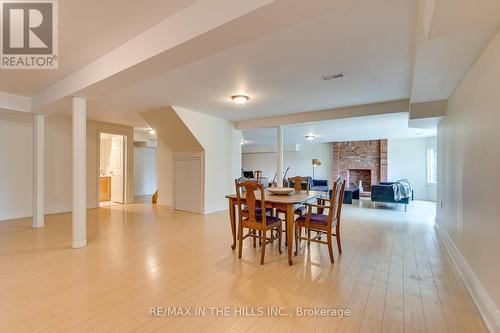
(181,131)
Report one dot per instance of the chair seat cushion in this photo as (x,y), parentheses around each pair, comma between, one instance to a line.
(258,210)
(300,210)
(315,219)
(269,219)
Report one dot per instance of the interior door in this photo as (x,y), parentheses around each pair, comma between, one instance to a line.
(187,184)
(117,165)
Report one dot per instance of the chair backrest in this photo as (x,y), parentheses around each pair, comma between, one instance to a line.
(245,194)
(248,174)
(336,200)
(298,183)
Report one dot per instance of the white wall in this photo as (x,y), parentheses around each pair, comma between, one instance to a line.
(222,144)
(16,172)
(144,171)
(165,174)
(468,165)
(407,158)
(16,164)
(58,165)
(300,162)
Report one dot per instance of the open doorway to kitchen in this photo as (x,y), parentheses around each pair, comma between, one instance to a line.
(112,170)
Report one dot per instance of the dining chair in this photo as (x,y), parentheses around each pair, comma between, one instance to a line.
(250,217)
(321,223)
(299,184)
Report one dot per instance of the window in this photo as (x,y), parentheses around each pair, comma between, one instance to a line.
(431,165)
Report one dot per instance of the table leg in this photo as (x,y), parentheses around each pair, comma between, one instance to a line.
(289,232)
(232,221)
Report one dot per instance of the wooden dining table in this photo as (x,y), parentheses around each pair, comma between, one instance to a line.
(285,203)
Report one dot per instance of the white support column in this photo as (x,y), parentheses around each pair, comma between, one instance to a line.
(279,155)
(38,171)
(79,172)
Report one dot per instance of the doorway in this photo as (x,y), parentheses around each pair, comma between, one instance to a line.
(112,171)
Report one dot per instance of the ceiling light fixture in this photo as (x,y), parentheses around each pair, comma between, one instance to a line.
(151,131)
(309,137)
(333,76)
(240,99)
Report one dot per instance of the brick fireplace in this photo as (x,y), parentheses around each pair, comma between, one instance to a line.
(356,175)
(360,160)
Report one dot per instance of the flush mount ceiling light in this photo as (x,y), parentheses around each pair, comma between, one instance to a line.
(333,76)
(240,99)
(309,137)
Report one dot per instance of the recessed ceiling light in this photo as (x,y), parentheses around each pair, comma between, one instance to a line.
(309,137)
(240,99)
(333,76)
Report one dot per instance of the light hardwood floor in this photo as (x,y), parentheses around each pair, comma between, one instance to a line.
(394,275)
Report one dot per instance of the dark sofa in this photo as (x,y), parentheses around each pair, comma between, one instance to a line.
(319,185)
(314,185)
(385,193)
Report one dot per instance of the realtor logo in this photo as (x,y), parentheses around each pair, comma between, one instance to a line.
(29,34)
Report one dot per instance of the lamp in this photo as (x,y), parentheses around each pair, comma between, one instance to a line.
(315,162)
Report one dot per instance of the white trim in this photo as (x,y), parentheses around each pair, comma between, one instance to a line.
(166,202)
(485,304)
(28,213)
(143,194)
(209,209)
(14,215)
(77,245)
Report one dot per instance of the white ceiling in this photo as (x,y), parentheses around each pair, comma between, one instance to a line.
(450,35)
(87,30)
(370,41)
(389,126)
(380,45)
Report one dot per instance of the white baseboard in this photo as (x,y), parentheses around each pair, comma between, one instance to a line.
(209,209)
(21,214)
(143,194)
(485,304)
(78,245)
(58,209)
(166,202)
